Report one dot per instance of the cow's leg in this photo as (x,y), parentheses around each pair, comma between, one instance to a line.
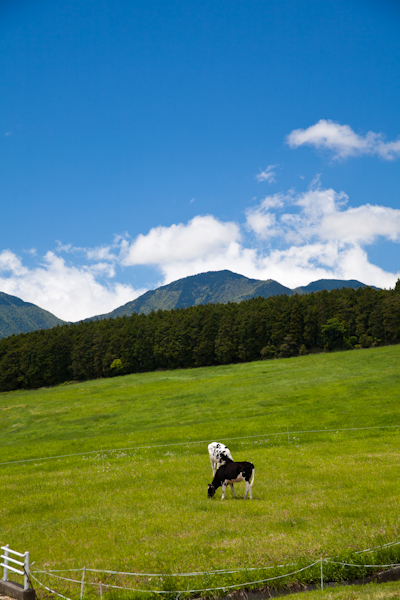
(223,491)
(251,481)
(233,490)
(212,461)
(251,490)
(248,490)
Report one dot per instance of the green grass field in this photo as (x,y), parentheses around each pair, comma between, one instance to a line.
(386,591)
(134,496)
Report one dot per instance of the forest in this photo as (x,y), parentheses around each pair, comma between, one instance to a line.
(204,335)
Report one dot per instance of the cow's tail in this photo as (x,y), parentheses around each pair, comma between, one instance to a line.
(254,474)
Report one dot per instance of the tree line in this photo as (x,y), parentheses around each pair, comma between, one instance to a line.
(205,335)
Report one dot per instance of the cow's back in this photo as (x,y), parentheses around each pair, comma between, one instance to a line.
(231,471)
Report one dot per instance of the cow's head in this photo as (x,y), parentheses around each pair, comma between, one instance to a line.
(211,490)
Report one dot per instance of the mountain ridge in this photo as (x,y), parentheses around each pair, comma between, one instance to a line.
(213,287)
(18,316)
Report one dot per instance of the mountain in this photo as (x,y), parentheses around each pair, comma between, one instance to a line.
(205,288)
(330,284)
(213,287)
(17,316)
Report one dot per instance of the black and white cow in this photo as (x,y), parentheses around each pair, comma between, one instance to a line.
(218,452)
(230,473)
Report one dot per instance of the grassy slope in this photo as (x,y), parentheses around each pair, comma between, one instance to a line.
(315,494)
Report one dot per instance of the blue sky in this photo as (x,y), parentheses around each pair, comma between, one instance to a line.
(143,141)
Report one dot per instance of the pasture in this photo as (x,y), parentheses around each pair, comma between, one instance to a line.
(128,491)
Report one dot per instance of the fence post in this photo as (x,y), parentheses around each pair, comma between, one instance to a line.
(5,575)
(101,592)
(322,576)
(83,581)
(26,571)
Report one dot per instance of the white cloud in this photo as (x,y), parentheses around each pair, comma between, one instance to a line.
(202,236)
(314,235)
(323,238)
(294,266)
(103,252)
(294,238)
(261,220)
(299,265)
(362,225)
(74,292)
(262,223)
(71,293)
(343,141)
(10,263)
(320,214)
(267,175)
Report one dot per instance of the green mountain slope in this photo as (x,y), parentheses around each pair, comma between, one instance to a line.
(330,284)
(214,287)
(17,316)
(205,288)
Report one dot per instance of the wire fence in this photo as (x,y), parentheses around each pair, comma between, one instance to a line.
(288,432)
(185,591)
(82,582)
(219,572)
(208,572)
